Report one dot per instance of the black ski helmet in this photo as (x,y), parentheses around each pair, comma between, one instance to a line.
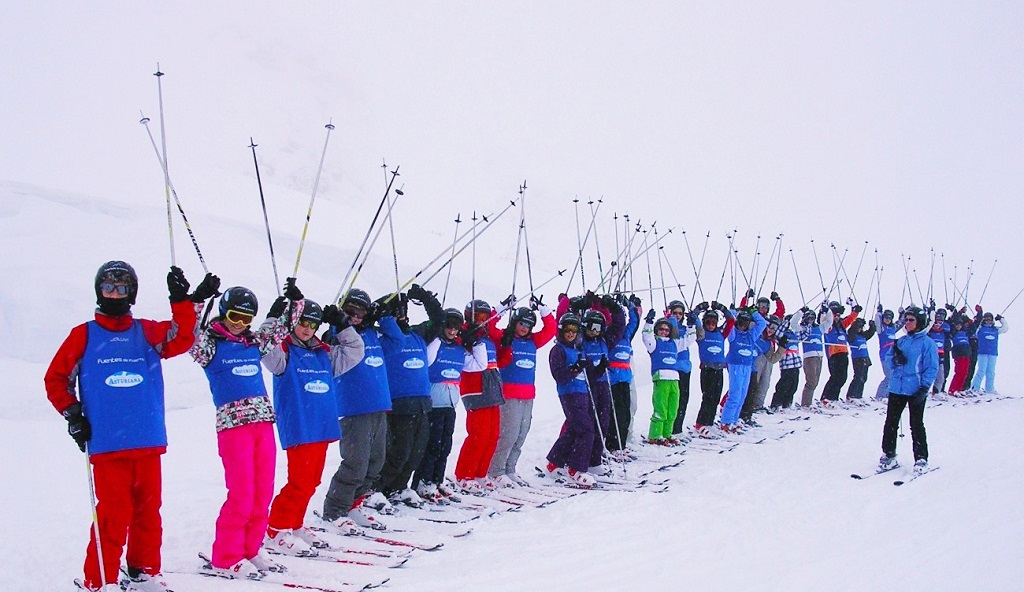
(809,316)
(940,314)
(240,299)
(594,320)
(763,301)
(988,316)
(676,304)
(453,319)
(475,306)
(888,315)
(743,317)
(356,297)
(312,312)
(525,316)
(711,315)
(117,272)
(836,308)
(919,315)
(569,319)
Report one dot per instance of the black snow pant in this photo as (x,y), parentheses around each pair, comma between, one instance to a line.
(860,376)
(408,432)
(786,387)
(838,368)
(711,383)
(620,417)
(892,424)
(684,400)
(439,446)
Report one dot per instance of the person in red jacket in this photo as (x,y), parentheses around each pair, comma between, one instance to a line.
(116,416)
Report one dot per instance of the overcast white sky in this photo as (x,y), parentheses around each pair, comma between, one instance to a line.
(900,124)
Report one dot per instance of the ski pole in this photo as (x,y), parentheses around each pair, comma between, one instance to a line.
(195,245)
(373,241)
(597,241)
(95,515)
(700,268)
(768,266)
(985,289)
(472,281)
(661,269)
(753,264)
(818,265)
(579,245)
(454,241)
(626,256)
(797,274)
(391,227)
(266,220)
(163,160)
(488,223)
(650,281)
(309,210)
(366,237)
(1007,307)
(679,285)
(728,260)
(945,285)
(593,405)
(519,235)
(586,237)
(646,246)
(696,274)
(853,286)
(778,259)
(512,303)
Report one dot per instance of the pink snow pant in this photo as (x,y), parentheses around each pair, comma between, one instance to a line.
(248,453)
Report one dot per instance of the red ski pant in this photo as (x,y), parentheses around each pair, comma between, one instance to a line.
(960,367)
(305,470)
(248,453)
(128,510)
(483,426)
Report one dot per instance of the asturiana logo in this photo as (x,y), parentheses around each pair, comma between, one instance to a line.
(622,355)
(246,370)
(451,373)
(714,349)
(374,361)
(414,363)
(527,364)
(317,387)
(668,360)
(123,379)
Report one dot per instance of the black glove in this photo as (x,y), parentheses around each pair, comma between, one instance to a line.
(207,288)
(470,335)
(608,301)
(824,308)
(509,300)
(650,316)
(418,294)
(898,357)
(998,317)
(857,308)
(78,426)
(621,299)
(783,340)
(750,293)
(577,367)
(177,285)
(950,307)
(578,303)
(635,300)
(879,309)
(931,304)
(277,308)
(536,302)
(774,295)
(871,324)
(336,317)
(291,291)
(703,307)
(602,364)
(507,336)
(716,305)
(920,395)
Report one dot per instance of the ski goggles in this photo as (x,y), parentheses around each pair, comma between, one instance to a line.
(309,324)
(356,312)
(238,317)
(109,287)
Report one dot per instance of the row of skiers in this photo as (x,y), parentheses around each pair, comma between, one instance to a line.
(387,391)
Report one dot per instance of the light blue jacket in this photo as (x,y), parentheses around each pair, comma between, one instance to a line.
(921,368)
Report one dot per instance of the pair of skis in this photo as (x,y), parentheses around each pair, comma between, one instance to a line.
(898,482)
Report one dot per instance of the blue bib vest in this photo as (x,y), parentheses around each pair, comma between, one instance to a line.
(578,384)
(364,388)
(711,349)
(988,340)
(664,355)
(122,389)
(886,336)
(305,399)
(814,341)
(858,347)
(235,373)
(960,339)
(837,336)
(620,368)
(447,366)
(523,367)
(406,363)
(593,349)
(939,337)
(742,348)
